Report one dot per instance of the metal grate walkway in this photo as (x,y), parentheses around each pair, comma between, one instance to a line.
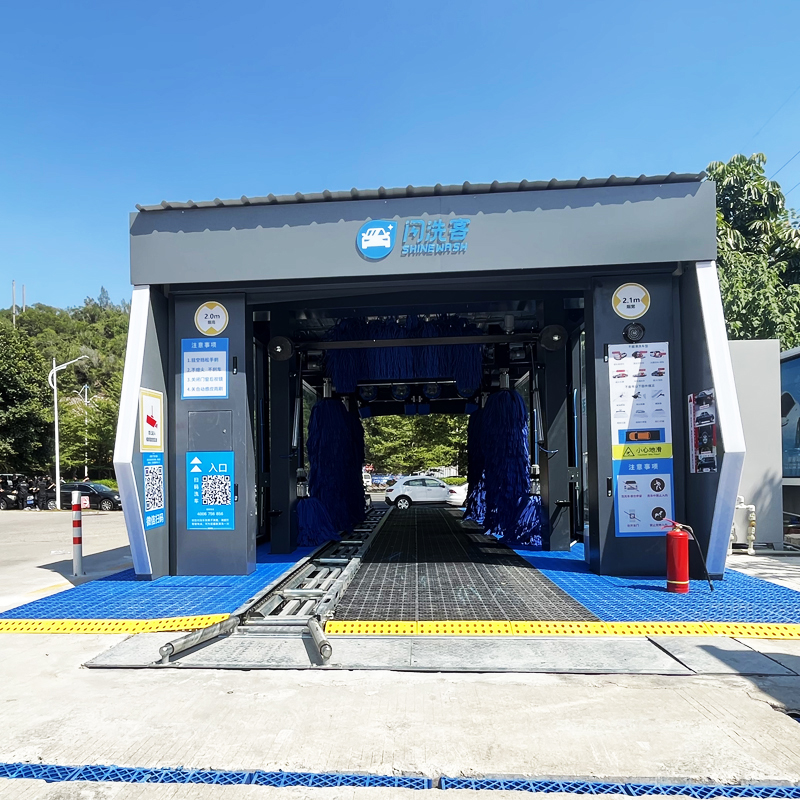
(425,567)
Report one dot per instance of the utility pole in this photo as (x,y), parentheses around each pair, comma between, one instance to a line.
(54,384)
(52,379)
(84,395)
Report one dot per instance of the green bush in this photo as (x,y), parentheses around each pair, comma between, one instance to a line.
(457,481)
(110,482)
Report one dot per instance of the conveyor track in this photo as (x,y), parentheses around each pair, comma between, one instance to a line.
(301,601)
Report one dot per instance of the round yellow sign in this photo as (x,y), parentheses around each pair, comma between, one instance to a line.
(631,301)
(211,318)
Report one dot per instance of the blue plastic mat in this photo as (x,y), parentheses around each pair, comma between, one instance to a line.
(737,598)
(56,774)
(122,596)
(630,789)
(53,773)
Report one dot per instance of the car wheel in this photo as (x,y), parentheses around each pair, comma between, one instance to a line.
(106,505)
(51,505)
(403,503)
(3,505)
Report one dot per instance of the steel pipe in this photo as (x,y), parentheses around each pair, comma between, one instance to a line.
(197,637)
(278,622)
(318,635)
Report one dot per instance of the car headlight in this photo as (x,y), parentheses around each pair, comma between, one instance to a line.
(116,497)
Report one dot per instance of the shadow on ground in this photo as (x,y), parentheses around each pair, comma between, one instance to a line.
(95,565)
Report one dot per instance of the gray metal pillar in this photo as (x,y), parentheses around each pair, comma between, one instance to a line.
(212,435)
(282,464)
(555,473)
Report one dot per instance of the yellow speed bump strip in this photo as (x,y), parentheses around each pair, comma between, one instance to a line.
(109,625)
(499,628)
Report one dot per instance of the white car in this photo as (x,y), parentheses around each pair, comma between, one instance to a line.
(416,489)
(457,495)
(375,237)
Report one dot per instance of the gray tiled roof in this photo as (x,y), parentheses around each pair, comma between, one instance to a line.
(430,191)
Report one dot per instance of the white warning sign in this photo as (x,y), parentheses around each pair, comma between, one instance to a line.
(151,421)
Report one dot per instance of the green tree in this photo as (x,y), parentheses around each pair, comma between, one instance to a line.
(88,432)
(97,329)
(758,252)
(25,412)
(411,444)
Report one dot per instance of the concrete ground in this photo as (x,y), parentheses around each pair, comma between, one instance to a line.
(36,552)
(688,728)
(782,567)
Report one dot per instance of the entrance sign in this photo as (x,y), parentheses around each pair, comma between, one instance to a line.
(151,421)
(631,301)
(205,368)
(211,318)
(154,505)
(641,436)
(209,491)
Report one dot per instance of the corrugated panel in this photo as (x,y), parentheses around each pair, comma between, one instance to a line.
(465,188)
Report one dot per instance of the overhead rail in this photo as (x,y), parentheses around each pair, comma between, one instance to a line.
(551,337)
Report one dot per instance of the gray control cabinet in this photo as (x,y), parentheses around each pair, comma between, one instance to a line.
(205,425)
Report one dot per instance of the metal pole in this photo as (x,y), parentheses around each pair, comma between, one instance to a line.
(14,303)
(58,451)
(52,379)
(86,431)
(77,535)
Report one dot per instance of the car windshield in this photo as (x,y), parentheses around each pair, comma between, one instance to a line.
(98,487)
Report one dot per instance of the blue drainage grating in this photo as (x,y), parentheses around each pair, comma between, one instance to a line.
(53,773)
(319,780)
(95,773)
(630,789)
(737,598)
(122,596)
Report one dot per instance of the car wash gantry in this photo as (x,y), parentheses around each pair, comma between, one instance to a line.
(569,319)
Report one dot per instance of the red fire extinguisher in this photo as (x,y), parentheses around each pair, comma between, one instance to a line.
(678,537)
(677,559)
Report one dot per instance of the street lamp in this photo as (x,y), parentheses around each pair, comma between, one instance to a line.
(84,395)
(52,379)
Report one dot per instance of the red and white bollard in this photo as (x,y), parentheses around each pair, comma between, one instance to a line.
(77,535)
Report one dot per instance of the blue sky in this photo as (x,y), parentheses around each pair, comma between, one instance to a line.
(105,105)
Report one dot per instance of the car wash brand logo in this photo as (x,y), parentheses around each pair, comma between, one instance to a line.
(375,239)
(435,237)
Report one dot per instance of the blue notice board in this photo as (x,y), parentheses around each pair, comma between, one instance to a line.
(209,491)
(204,368)
(154,490)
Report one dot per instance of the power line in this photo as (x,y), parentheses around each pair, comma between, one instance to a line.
(774,113)
(788,162)
(786,194)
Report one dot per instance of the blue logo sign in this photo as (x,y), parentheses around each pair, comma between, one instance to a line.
(210,491)
(435,237)
(375,239)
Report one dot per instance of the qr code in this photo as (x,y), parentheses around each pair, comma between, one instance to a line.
(153,488)
(216,490)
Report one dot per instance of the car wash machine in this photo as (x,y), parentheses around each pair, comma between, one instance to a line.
(577,324)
